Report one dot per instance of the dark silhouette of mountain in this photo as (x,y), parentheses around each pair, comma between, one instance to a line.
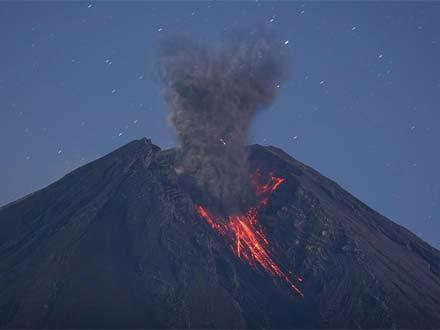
(117,243)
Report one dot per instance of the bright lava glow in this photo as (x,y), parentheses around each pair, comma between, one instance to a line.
(246,237)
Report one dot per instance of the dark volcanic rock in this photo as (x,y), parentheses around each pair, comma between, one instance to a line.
(117,244)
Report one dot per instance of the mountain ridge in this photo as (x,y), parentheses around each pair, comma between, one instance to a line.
(121,234)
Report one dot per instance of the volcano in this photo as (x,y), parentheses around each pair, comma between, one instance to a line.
(123,242)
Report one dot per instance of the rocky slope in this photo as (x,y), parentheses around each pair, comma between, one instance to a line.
(118,244)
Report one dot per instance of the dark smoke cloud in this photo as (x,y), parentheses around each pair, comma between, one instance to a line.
(214,93)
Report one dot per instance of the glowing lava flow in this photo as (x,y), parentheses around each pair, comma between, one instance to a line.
(245,235)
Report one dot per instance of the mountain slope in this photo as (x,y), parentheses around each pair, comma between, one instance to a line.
(118,244)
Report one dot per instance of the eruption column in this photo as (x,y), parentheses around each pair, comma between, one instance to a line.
(214,92)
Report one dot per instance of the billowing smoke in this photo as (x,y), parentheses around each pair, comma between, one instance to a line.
(214,92)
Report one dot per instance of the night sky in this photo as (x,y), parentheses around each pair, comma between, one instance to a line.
(361,105)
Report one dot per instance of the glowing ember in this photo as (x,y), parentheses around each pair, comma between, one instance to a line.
(244,234)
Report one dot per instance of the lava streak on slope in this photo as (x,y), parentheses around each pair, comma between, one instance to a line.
(244,234)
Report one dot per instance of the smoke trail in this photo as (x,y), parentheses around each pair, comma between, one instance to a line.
(214,93)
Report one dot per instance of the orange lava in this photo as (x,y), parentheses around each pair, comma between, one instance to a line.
(246,237)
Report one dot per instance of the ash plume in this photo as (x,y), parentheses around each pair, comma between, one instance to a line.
(214,92)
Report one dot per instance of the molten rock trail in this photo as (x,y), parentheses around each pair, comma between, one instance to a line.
(245,235)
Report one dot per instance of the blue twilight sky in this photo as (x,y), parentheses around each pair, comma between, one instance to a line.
(361,106)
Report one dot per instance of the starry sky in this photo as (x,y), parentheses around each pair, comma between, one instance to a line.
(361,105)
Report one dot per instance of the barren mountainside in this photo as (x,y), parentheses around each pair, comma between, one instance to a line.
(118,243)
